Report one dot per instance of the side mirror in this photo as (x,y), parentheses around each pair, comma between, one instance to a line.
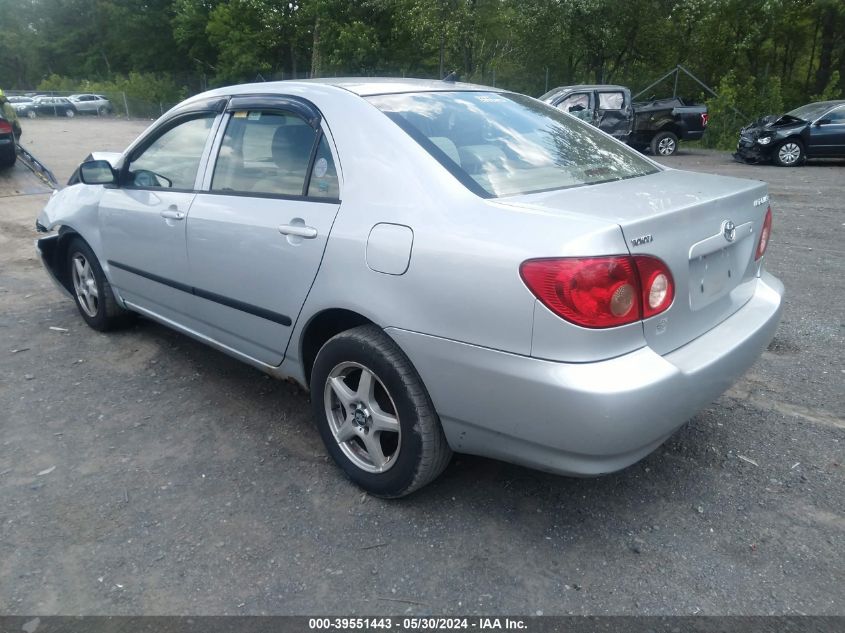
(97,172)
(822,121)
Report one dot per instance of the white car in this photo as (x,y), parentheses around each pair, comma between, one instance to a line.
(92,104)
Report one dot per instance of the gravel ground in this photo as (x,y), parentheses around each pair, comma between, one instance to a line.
(143,473)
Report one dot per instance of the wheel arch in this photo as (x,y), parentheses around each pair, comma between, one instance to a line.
(59,257)
(320,328)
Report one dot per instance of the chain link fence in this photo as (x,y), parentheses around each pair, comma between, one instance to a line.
(57,103)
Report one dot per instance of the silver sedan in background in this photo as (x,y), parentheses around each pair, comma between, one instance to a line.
(446,267)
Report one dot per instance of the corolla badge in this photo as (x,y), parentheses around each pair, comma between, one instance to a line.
(639,241)
(729,230)
(759,202)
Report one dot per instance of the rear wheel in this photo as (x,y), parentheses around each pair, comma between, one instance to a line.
(8,157)
(69,113)
(91,290)
(102,110)
(374,414)
(31,114)
(664,144)
(789,153)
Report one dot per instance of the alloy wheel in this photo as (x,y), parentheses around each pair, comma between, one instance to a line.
(85,285)
(789,153)
(362,417)
(666,147)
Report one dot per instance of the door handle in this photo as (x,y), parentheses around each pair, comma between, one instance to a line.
(298,230)
(172,214)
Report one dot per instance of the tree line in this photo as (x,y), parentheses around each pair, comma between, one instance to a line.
(760,54)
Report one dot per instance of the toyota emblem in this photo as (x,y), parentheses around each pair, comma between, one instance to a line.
(729,230)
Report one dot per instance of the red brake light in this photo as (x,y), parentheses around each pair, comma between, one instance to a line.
(5,127)
(600,292)
(764,235)
(658,287)
(705,119)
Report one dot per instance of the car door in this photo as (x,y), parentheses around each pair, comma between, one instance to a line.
(614,114)
(256,237)
(143,219)
(827,134)
(579,104)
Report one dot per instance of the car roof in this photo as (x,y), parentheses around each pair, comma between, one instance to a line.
(362,86)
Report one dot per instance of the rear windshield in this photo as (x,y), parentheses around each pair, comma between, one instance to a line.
(501,144)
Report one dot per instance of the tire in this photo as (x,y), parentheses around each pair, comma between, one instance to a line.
(70,114)
(388,438)
(790,153)
(31,114)
(8,158)
(102,111)
(664,144)
(91,290)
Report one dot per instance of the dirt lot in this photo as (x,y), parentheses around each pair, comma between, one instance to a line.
(142,472)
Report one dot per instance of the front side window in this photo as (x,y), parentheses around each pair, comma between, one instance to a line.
(172,160)
(501,144)
(837,116)
(575,103)
(266,153)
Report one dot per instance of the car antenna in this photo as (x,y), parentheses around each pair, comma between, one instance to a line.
(452,77)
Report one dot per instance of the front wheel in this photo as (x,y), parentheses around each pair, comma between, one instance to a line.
(31,114)
(789,153)
(374,414)
(91,290)
(664,144)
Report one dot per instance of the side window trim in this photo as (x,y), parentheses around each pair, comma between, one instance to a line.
(160,131)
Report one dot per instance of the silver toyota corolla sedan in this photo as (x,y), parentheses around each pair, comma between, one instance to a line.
(446,267)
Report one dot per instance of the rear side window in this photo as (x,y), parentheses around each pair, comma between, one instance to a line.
(611,100)
(501,144)
(269,153)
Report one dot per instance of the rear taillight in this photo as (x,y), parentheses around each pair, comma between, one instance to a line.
(765,233)
(5,127)
(658,287)
(600,292)
(705,119)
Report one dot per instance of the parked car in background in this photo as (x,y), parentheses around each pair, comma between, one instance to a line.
(447,267)
(657,125)
(54,106)
(8,151)
(815,130)
(92,104)
(24,106)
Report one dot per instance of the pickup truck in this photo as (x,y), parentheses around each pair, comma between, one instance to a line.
(658,125)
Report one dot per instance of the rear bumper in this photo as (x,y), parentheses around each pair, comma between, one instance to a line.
(588,418)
